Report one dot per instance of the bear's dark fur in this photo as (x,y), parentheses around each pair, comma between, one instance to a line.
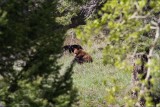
(71,48)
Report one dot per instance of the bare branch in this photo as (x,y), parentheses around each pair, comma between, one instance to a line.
(154,23)
(143,88)
(135,15)
(137,6)
(151,52)
(152,27)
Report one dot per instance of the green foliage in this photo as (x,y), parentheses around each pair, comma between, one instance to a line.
(3,19)
(129,25)
(31,43)
(66,9)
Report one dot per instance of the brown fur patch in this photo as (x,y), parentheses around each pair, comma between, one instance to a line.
(82,56)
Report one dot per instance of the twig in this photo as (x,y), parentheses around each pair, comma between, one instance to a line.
(154,23)
(152,27)
(135,15)
(137,6)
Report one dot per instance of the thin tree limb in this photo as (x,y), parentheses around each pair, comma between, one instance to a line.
(136,16)
(143,86)
(151,52)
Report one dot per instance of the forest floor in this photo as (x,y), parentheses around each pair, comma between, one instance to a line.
(92,80)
